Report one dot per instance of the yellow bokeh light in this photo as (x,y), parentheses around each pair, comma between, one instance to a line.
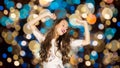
(87,63)
(86,57)
(5,12)
(9,60)
(15,57)
(1,63)
(114,19)
(16,63)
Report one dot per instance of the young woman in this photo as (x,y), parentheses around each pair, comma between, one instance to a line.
(56,44)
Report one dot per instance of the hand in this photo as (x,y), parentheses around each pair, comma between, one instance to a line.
(47,14)
(53,16)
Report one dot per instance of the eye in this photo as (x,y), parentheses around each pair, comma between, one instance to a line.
(63,25)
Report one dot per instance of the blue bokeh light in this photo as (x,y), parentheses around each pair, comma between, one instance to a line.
(49,23)
(76,1)
(10,49)
(1,7)
(10,4)
(4,55)
(93,55)
(81,49)
(43,30)
(54,5)
(118,24)
(4,21)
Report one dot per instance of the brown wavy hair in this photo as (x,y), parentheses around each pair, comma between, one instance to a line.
(64,47)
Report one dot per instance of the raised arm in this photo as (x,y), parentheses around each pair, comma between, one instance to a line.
(86,41)
(39,36)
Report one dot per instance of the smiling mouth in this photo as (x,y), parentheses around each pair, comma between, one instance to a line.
(63,31)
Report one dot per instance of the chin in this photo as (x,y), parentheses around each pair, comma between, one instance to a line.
(61,34)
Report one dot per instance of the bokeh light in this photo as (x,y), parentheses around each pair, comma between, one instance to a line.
(91,19)
(20,48)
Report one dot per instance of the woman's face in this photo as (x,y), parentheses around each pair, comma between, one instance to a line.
(62,27)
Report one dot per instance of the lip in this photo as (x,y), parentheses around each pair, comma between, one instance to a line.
(63,30)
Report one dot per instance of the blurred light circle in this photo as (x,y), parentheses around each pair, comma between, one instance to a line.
(87,63)
(15,57)
(10,49)
(17,27)
(83,8)
(14,42)
(23,43)
(91,19)
(96,65)
(81,49)
(24,13)
(26,29)
(86,57)
(109,36)
(1,63)
(34,46)
(21,61)
(80,59)
(115,11)
(54,5)
(22,53)
(45,3)
(49,23)
(16,63)
(60,13)
(15,33)
(43,30)
(118,24)
(19,5)
(4,55)
(95,43)
(28,36)
(5,12)
(100,36)
(102,4)
(9,60)
(10,4)
(114,19)
(73,60)
(110,32)
(1,8)
(115,45)
(84,15)
(13,15)
(35,7)
(24,65)
(108,22)
(93,55)
(101,26)
(107,13)
(9,38)
(109,1)
(91,7)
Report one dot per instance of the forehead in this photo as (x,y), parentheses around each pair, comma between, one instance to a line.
(64,22)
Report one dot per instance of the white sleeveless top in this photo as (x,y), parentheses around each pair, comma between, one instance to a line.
(55,58)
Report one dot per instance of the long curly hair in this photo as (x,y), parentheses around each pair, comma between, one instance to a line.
(64,48)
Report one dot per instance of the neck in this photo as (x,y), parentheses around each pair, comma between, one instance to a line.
(56,36)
